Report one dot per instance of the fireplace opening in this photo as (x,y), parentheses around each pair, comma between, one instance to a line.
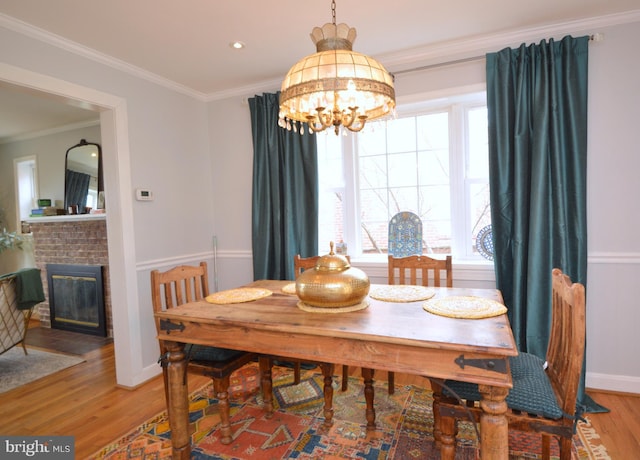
(76,298)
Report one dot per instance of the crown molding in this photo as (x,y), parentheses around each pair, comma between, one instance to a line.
(48,132)
(80,50)
(478,46)
(402,60)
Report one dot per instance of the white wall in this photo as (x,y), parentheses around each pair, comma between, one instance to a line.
(614,217)
(196,157)
(153,136)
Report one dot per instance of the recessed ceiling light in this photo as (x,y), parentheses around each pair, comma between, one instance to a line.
(237,45)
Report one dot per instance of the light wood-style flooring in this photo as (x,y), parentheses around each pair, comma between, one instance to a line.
(85,402)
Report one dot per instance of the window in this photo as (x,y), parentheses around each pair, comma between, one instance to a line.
(26,179)
(431,160)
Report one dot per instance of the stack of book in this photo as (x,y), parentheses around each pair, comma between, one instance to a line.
(48,211)
(44,209)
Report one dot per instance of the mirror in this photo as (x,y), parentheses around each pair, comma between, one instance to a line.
(83,183)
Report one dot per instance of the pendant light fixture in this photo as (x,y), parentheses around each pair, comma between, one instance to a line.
(335,86)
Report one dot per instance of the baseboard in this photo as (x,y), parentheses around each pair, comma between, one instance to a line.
(609,382)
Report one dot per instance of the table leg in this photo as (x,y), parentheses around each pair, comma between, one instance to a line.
(367,376)
(327,372)
(221,389)
(178,401)
(494,428)
(266,364)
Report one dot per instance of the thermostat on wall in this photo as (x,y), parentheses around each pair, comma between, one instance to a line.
(143,194)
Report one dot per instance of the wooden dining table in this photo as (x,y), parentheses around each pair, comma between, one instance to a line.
(390,336)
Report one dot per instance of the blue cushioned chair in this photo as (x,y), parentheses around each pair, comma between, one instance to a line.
(544,394)
(184,284)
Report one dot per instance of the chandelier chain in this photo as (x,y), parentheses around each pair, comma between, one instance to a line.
(333,12)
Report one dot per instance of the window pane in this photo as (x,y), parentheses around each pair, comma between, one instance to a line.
(331,215)
(373,171)
(401,135)
(373,141)
(480,211)
(402,169)
(433,131)
(374,237)
(434,167)
(478,149)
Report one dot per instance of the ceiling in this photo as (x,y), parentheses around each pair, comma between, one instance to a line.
(185,43)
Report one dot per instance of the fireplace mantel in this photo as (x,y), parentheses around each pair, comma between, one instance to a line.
(66,218)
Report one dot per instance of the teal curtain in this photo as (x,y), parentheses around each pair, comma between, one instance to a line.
(285,192)
(537,109)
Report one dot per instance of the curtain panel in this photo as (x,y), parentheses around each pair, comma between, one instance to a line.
(537,109)
(285,192)
(76,189)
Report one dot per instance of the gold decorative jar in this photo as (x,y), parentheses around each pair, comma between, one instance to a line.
(332,283)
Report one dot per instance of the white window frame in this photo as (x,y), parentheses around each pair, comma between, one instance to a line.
(25,171)
(456,102)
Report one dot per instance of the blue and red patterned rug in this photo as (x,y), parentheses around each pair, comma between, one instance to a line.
(404,426)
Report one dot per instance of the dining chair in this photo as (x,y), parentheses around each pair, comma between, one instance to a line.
(184,284)
(544,394)
(420,270)
(413,270)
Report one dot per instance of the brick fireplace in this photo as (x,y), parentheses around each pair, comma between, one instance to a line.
(73,240)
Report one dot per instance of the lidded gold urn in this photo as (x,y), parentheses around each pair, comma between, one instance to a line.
(332,283)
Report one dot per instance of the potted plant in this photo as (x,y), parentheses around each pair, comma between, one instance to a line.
(9,240)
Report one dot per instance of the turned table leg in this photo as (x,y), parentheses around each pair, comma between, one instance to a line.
(327,372)
(367,376)
(178,400)
(221,388)
(494,428)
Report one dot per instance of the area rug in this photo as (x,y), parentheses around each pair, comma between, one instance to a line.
(16,368)
(404,426)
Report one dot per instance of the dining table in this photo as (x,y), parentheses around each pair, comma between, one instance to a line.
(397,336)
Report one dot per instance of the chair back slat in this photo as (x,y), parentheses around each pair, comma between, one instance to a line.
(421,270)
(565,352)
(301,264)
(179,285)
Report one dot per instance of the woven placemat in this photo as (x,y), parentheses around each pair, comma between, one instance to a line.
(400,292)
(238,295)
(467,307)
(359,306)
(289,288)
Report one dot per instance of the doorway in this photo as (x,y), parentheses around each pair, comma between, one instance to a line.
(120,230)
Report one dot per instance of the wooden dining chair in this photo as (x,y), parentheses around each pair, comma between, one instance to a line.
(421,270)
(544,394)
(414,270)
(184,284)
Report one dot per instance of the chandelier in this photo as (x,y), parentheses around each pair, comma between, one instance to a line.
(335,86)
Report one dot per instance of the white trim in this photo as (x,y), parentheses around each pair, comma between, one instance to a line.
(120,231)
(400,60)
(191,258)
(611,382)
(55,40)
(48,132)
(476,46)
(614,258)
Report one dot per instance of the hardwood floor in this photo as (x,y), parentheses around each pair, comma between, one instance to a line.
(84,401)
